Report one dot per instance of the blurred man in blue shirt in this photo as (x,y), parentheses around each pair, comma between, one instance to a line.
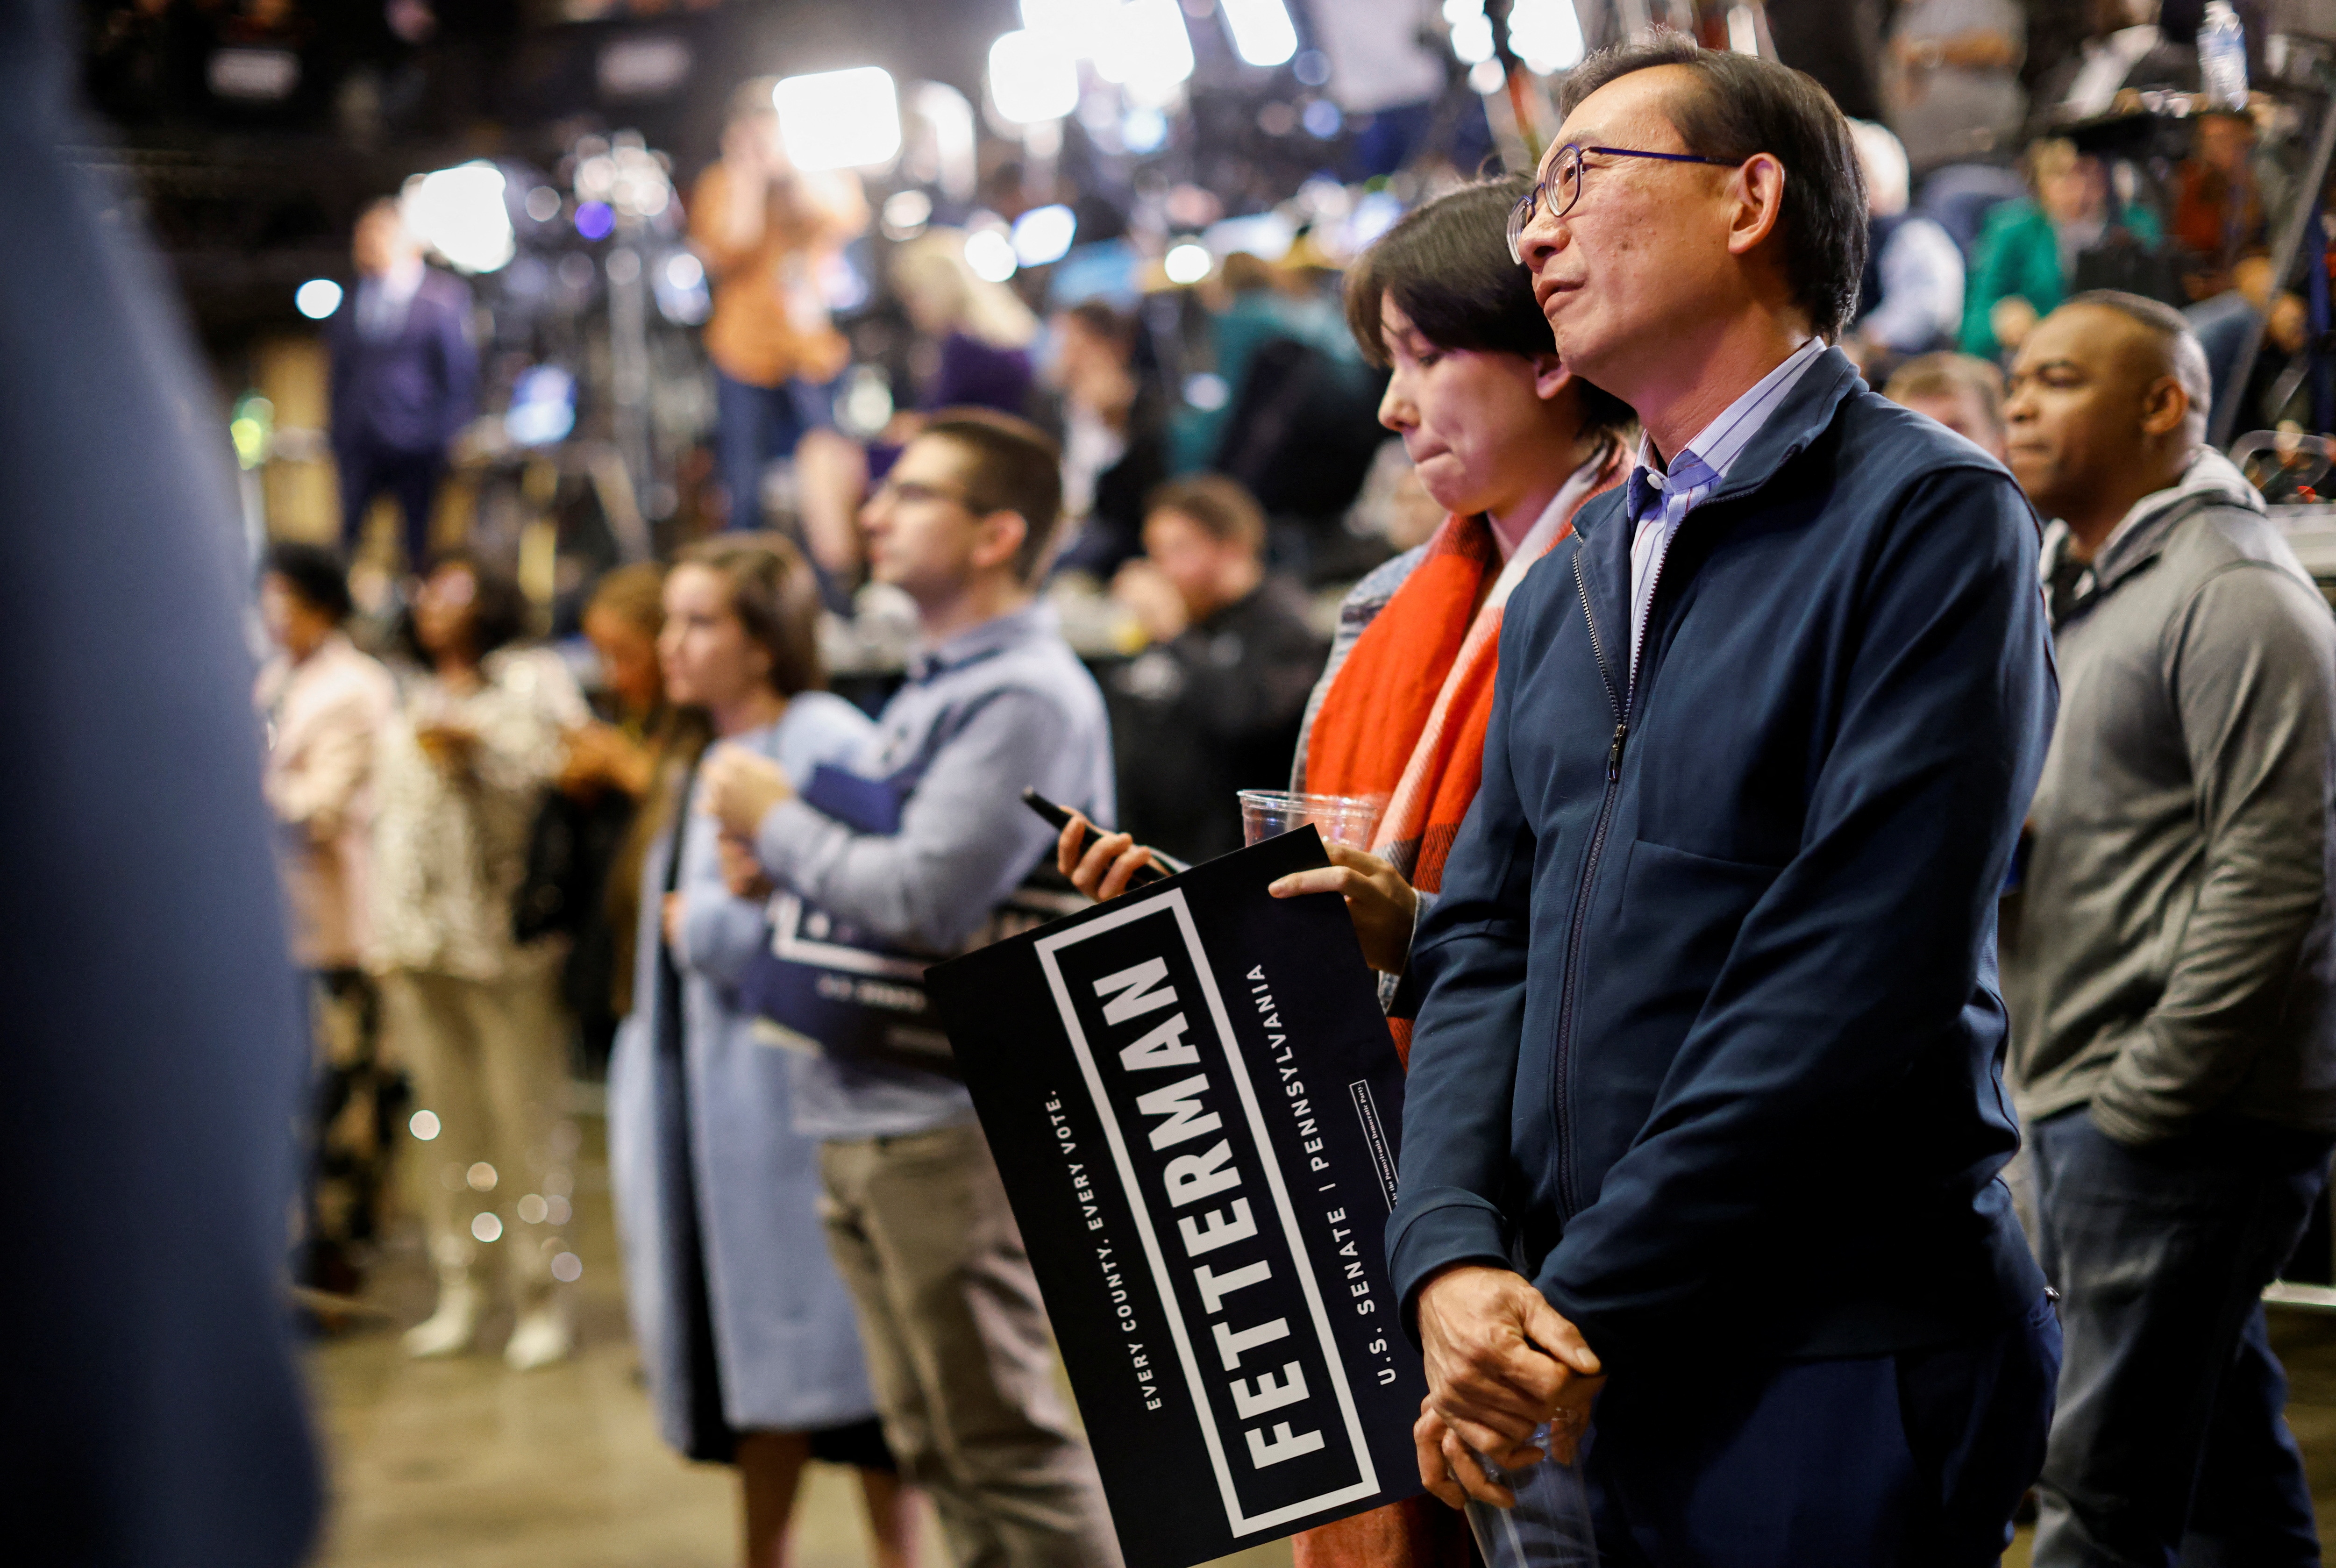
(932,840)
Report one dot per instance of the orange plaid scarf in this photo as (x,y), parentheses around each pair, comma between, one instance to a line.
(1406,717)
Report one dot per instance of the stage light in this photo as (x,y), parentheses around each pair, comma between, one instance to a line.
(838,118)
(1144,131)
(906,213)
(318,298)
(1043,234)
(595,219)
(1546,35)
(423,1125)
(543,204)
(1187,263)
(1145,47)
(1032,77)
(990,255)
(1487,76)
(460,213)
(1262,29)
(1079,26)
(1472,39)
(1322,120)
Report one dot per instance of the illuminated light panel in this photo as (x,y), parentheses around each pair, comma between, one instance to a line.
(840,119)
(1145,47)
(1032,77)
(1043,234)
(459,212)
(990,255)
(1262,32)
(1546,35)
(318,298)
(1187,263)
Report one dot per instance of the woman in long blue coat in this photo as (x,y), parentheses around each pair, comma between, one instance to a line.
(751,1349)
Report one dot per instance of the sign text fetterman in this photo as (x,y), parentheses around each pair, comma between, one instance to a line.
(1194,1104)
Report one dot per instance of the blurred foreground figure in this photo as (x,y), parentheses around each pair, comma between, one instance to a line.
(156,1049)
(2167,960)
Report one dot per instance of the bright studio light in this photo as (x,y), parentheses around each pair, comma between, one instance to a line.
(1187,263)
(460,213)
(1472,39)
(1262,29)
(1145,47)
(318,298)
(1043,234)
(1547,34)
(1076,26)
(990,255)
(838,118)
(1032,77)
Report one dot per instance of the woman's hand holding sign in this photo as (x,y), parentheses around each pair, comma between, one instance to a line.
(1382,905)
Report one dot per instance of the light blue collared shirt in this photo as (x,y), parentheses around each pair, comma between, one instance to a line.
(1658,501)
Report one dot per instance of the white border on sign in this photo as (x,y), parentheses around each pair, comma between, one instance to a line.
(1173,902)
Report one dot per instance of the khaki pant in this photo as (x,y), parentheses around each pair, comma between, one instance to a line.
(958,1352)
(489,1061)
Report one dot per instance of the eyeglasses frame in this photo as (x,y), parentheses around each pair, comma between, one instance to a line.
(1522,212)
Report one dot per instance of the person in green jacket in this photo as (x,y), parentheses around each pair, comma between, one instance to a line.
(2027,253)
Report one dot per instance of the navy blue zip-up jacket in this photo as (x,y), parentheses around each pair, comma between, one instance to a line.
(1708,1041)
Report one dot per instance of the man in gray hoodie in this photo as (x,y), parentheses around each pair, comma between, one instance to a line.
(2167,954)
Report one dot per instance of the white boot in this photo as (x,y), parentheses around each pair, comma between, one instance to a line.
(448,1331)
(540,1337)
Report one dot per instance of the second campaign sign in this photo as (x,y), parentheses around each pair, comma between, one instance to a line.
(1194,1104)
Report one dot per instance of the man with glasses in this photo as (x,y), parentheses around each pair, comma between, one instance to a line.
(1704,1116)
(916,1218)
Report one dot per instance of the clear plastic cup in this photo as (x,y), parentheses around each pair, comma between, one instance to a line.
(1549,1527)
(1347,820)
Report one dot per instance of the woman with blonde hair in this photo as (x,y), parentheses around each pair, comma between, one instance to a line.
(976,334)
(748,1337)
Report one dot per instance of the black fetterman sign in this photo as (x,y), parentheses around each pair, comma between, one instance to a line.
(1195,1103)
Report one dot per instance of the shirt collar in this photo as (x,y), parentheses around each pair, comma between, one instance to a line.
(976,643)
(1705,459)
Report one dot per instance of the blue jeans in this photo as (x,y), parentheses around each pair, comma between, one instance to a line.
(753,425)
(2170,1446)
(1915,1460)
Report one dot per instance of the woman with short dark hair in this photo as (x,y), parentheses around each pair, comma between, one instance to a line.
(1512,445)
(460,771)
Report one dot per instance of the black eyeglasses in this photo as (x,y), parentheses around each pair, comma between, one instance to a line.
(1562,188)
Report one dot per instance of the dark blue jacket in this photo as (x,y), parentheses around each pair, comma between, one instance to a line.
(410,391)
(1710,1044)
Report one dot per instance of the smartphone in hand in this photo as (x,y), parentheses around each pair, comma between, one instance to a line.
(1058,817)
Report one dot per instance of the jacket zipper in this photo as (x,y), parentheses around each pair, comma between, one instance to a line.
(1574,932)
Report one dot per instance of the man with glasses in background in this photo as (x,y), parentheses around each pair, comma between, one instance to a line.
(1704,1115)
(917,1219)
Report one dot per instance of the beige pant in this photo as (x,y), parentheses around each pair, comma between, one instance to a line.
(958,1353)
(489,1061)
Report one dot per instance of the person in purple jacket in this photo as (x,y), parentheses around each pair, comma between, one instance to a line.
(405,379)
